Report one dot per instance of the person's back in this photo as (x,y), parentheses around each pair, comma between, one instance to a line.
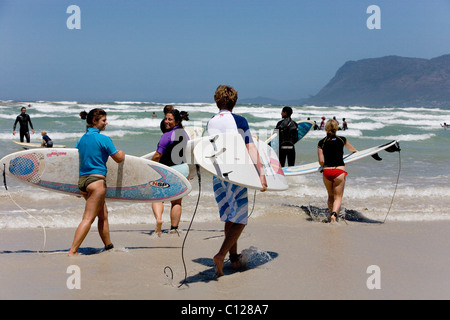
(287,137)
(94,149)
(288,131)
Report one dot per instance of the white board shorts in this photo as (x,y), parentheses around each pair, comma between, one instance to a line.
(232,201)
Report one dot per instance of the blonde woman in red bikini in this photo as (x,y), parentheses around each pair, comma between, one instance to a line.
(331,153)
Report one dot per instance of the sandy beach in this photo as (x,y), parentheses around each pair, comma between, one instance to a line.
(291,258)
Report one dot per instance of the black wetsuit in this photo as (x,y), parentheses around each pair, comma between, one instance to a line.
(333,150)
(287,137)
(23,120)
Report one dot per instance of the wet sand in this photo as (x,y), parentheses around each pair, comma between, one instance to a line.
(292,258)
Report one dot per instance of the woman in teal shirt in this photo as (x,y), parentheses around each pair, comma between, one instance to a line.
(94,149)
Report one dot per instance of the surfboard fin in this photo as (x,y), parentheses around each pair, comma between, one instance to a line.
(394,148)
(376,157)
(225,174)
(213,139)
(216,154)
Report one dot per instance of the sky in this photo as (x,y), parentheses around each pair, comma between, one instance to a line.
(181,50)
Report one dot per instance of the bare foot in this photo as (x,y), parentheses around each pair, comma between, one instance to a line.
(236,261)
(71,254)
(158,229)
(218,261)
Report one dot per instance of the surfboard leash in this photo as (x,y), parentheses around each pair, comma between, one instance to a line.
(253,206)
(4,176)
(29,214)
(398,178)
(187,232)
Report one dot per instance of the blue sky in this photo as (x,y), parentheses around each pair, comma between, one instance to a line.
(175,51)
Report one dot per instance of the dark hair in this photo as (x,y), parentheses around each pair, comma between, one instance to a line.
(287,110)
(184,115)
(93,115)
(83,115)
(176,115)
(167,108)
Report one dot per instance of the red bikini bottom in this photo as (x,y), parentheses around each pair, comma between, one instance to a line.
(331,174)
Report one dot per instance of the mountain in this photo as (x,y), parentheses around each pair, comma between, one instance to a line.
(389,81)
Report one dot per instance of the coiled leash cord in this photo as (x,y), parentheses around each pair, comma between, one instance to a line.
(187,232)
(8,193)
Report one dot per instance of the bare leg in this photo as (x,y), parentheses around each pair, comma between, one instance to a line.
(335,192)
(329,185)
(158,208)
(175,213)
(232,234)
(95,202)
(103,225)
(338,189)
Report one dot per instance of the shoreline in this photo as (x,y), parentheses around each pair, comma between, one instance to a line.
(292,259)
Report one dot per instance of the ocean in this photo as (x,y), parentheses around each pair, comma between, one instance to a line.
(412,185)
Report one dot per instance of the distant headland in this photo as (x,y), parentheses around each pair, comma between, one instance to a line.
(386,81)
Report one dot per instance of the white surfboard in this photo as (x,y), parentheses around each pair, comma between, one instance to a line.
(194,132)
(315,166)
(135,179)
(35,145)
(226,157)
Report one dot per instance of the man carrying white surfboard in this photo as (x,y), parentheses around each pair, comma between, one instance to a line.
(232,199)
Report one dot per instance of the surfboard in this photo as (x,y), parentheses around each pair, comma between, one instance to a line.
(35,145)
(303,128)
(135,179)
(194,132)
(315,166)
(226,157)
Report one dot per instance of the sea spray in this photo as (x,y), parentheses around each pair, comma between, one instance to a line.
(253,257)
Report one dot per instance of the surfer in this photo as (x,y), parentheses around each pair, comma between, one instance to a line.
(94,150)
(445,126)
(23,118)
(287,137)
(232,199)
(46,141)
(162,125)
(344,124)
(330,153)
(170,151)
(322,124)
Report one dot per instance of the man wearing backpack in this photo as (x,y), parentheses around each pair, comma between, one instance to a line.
(287,137)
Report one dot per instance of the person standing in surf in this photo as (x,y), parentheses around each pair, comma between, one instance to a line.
(94,150)
(232,199)
(170,151)
(287,137)
(330,153)
(23,118)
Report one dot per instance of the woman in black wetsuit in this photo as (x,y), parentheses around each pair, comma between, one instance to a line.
(331,152)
